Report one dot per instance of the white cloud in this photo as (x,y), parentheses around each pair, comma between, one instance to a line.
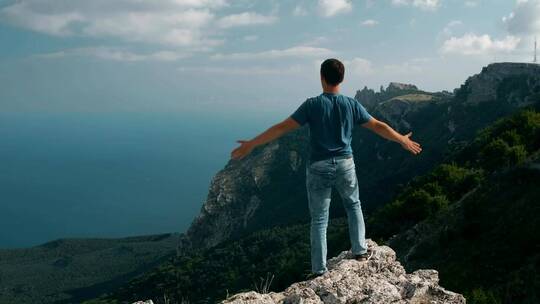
(472,44)
(256,70)
(330,8)
(358,66)
(116,54)
(449,28)
(53,23)
(244,19)
(471,3)
(370,23)
(299,10)
(179,23)
(296,51)
(524,19)
(422,4)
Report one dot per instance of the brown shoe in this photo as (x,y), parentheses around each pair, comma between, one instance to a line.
(364,256)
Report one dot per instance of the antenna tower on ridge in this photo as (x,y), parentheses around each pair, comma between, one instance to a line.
(535,50)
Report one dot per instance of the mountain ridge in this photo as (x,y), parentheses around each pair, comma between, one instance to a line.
(249,190)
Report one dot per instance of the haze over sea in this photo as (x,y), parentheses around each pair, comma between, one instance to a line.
(110,174)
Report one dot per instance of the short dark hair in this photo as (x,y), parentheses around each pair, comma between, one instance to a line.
(333,71)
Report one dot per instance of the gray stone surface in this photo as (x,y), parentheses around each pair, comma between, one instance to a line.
(381,279)
(483,87)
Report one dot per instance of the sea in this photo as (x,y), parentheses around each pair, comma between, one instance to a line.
(86,175)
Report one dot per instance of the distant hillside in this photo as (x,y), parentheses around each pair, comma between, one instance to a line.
(480,232)
(470,218)
(256,208)
(267,188)
(69,270)
(247,196)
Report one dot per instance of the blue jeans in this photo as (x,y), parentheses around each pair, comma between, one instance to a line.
(321,176)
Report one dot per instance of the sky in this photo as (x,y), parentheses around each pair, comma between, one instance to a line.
(243,56)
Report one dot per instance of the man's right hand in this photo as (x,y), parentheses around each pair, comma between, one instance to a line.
(385,131)
(410,145)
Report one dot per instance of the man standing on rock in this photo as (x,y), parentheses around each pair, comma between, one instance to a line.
(331,118)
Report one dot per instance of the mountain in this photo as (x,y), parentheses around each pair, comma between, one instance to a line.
(460,157)
(470,218)
(254,221)
(69,270)
(248,195)
(482,241)
(381,279)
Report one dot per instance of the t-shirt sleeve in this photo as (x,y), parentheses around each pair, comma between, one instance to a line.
(361,114)
(301,114)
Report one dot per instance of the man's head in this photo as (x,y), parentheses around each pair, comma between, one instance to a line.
(332,72)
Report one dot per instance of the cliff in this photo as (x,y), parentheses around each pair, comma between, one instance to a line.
(267,188)
(490,84)
(370,99)
(381,279)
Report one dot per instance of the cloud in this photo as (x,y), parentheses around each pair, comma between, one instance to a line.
(255,70)
(116,54)
(330,8)
(369,23)
(296,51)
(359,66)
(244,19)
(299,11)
(524,19)
(471,3)
(449,28)
(422,4)
(472,44)
(178,23)
(187,24)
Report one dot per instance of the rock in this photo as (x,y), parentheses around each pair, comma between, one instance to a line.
(396,86)
(486,86)
(396,110)
(371,99)
(381,279)
(245,187)
(144,302)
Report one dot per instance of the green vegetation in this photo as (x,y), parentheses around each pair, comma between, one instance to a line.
(423,197)
(70,270)
(488,253)
(207,276)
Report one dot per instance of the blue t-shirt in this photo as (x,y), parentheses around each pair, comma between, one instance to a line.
(331,118)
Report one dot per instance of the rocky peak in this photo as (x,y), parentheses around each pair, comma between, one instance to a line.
(397,86)
(368,97)
(497,81)
(396,110)
(246,187)
(381,279)
(371,99)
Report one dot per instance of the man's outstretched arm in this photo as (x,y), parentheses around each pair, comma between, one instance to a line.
(384,130)
(275,131)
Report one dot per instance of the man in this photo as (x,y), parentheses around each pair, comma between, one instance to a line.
(331,118)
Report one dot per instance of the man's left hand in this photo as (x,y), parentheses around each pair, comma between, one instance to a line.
(245,148)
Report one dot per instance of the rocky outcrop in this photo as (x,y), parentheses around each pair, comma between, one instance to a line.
(381,279)
(267,188)
(396,110)
(399,87)
(246,187)
(368,97)
(371,99)
(489,85)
